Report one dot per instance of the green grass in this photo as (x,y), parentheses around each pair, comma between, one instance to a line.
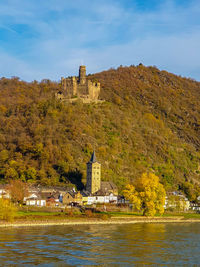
(119,214)
(191,215)
(37,213)
(182,214)
(171,214)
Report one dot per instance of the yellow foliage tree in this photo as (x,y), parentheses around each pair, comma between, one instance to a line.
(7,210)
(133,196)
(147,194)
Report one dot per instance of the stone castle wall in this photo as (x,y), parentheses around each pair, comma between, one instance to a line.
(81,87)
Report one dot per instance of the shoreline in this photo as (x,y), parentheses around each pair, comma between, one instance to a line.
(97,222)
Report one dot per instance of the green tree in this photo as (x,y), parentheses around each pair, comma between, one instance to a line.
(4,155)
(11,173)
(31,174)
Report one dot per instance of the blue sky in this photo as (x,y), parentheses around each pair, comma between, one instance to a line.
(51,38)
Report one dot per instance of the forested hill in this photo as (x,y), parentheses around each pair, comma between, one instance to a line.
(150,121)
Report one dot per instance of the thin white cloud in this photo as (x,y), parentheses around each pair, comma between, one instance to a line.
(102,34)
(16,67)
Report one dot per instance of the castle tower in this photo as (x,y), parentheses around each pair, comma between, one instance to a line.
(82,74)
(74,86)
(93,175)
(63,83)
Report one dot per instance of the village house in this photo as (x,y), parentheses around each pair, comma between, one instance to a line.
(51,196)
(195,206)
(99,198)
(97,191)
(54,189)
(35,199)
(109,188)
(4,193)
(68,198)
(122,200)
(177,201)
(53,199)
(73,198)
(38,196)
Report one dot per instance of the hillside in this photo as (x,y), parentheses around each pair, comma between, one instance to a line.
(150,121)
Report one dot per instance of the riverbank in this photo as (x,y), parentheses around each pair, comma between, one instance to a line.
(92,221)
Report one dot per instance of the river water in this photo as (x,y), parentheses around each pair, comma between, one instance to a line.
(143,244)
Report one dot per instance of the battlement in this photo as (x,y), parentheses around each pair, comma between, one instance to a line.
(79,88)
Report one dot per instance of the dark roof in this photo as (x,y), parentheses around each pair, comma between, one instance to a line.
(85,193)
(72,193)
(54,188)
(108,186)
(49,195)
(45,195)
(38,197)
(93,158)
(101,192)
(31,198)
(33,188)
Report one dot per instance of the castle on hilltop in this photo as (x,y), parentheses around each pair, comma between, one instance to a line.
(80,87)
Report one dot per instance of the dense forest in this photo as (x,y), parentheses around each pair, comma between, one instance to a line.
(150,121)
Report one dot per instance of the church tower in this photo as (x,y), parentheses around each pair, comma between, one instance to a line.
(93,175)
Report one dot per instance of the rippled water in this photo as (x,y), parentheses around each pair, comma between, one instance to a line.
(102,245)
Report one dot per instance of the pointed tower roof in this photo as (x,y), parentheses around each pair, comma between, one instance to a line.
(93,158)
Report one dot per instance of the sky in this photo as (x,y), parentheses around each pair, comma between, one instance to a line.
(48,39)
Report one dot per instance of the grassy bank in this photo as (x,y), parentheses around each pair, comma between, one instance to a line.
(75,214)
(38,216)
(165,215)
(96,221)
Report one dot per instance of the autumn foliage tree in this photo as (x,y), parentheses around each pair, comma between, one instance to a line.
(7,210)
(18,190)
(147,194)
(150,120)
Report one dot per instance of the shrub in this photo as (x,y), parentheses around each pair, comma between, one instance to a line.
(105,216)
(69,212)
(89,213)
(7,210)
